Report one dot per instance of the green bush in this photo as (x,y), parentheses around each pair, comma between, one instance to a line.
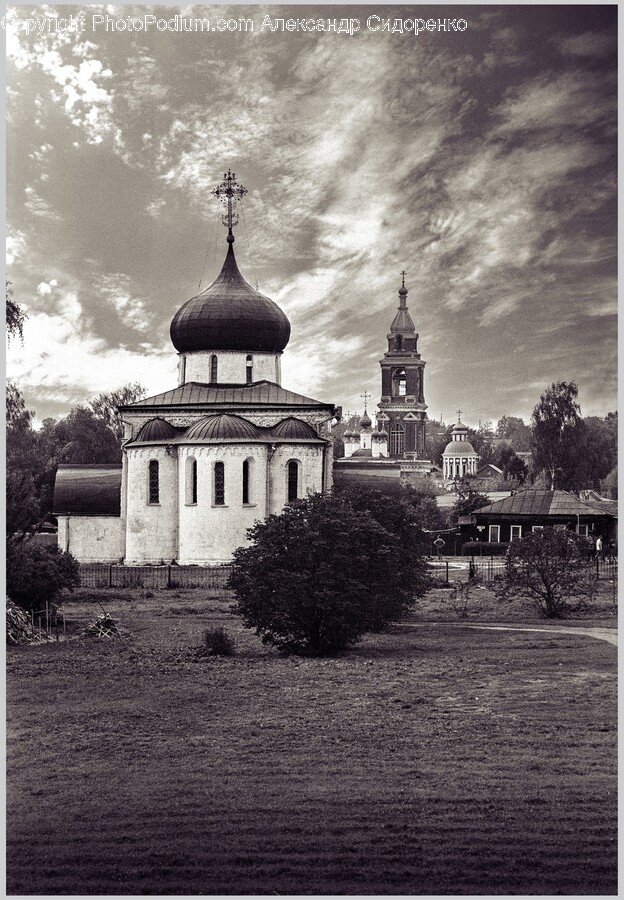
(485,548)
(217,642)
(37,574)
(322,574)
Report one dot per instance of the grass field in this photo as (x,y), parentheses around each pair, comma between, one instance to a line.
(431,760)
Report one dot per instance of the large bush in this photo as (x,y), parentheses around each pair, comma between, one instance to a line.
(37,573)
(550,567)
(322,574)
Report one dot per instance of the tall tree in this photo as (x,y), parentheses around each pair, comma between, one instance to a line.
(596,454)
(82,437)
(557,431)
(24,468)
(514,430)
(15,315)
(105,406)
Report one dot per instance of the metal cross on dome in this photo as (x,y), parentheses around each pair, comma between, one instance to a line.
(229,192)
(365,397)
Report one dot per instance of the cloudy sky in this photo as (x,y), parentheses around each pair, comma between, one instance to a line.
(482,162)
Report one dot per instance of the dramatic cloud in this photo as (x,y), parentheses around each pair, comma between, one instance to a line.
(482,162)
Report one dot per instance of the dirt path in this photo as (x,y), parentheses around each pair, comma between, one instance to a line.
(602,634)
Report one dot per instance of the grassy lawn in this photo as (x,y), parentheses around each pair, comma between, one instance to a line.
(433,760)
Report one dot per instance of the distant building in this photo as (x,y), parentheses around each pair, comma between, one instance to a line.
(528,510)
(459,459)
(395,449)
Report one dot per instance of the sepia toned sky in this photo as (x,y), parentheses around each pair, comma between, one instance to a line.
(482,162)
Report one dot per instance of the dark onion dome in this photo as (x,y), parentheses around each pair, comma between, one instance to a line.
(87,490)
(347,435)
(223,427)
(156,430)
(294,428)
(383,433)
(365,421)
(375,435)
(230,315)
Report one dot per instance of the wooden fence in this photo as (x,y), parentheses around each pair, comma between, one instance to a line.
(99,575)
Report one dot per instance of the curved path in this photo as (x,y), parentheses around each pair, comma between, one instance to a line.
(602,634)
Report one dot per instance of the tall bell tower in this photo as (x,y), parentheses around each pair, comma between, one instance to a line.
(402,408)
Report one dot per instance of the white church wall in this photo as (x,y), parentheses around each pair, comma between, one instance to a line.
(209,533)
(151,528)
(231,366)
(310,475)
(91,539)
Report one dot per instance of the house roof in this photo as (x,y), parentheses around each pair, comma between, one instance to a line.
(90,490)
(491,467)
(542,503)
(260,393)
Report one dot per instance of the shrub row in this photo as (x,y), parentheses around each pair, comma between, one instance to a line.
(485,548)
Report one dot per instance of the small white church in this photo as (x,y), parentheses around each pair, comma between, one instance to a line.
(205,460)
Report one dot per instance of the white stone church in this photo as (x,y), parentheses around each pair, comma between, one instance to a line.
(202,462)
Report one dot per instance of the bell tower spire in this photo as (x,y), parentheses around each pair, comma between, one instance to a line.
(402,408)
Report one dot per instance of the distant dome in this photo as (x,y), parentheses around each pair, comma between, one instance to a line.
(294,428)
(230,315)
(156,430)
(460,448)
(221,427)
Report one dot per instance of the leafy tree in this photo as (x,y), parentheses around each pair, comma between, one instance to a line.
(320,575)
(557,431)
(513,467)
(436,439)
(609,485)
(81,437)
(24,468)
(407,513)
(105,406)
(467,501)
(15,315)
(36,573)
(550,567)
(513,429)
(596,454)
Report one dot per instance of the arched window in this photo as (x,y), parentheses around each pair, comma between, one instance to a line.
(249,369)
(191,481)
(153,481)
(399,382)
(219,484)
(213,369)
(293,480)
(397,440)
(247,468)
